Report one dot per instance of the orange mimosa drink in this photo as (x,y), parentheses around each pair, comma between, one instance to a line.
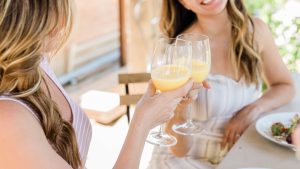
(170,77)
(200,71)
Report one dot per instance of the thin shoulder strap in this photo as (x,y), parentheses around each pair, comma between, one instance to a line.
(21,103)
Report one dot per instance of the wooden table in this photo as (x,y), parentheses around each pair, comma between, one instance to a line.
(252,150)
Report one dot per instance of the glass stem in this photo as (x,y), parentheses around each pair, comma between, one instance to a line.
(162,130)
(189,114)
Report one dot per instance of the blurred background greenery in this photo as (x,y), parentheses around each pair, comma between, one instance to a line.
(282,19)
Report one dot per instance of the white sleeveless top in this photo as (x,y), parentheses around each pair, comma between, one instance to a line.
(225,98)
(80,123)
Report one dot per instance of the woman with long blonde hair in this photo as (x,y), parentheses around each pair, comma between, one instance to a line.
(40,126)
(243,56)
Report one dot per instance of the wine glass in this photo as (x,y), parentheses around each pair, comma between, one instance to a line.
(201,63)
(170,69)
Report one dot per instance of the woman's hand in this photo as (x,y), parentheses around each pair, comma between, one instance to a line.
(239,123)
(193,94)
(296,141)
(154,109)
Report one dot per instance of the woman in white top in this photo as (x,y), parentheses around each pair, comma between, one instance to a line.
(243,56)
(40,126)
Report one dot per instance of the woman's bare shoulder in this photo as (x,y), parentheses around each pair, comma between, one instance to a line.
(261,32)
(23,143)
(14,113)
(13,110)
(17,122)
(260,25)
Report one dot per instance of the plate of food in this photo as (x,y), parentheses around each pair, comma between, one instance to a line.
(278,127)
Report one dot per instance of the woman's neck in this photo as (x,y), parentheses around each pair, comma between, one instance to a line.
(214,26)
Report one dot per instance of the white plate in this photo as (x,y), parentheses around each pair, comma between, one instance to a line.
(263,126)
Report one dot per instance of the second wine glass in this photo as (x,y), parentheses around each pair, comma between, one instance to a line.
(201,63)
(170,69)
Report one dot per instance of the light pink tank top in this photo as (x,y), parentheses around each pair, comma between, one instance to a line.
(81,123)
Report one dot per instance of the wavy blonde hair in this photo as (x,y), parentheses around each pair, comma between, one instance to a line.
(25,28)
(243,53)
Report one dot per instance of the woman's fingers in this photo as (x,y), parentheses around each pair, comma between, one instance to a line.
(231,135)
(296,141)
(197,86)
(225,138)
(193,94)
(175,103)
(228,139)
(186,101)
(180,92)
(296,136)
(151,89)
(206,84)
(169,111)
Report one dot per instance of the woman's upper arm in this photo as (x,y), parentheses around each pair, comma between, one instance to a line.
(22,141)
(274,70)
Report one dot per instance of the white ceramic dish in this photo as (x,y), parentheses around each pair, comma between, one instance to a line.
(263,126)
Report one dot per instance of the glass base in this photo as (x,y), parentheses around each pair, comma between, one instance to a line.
(189,128)
(161,139)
